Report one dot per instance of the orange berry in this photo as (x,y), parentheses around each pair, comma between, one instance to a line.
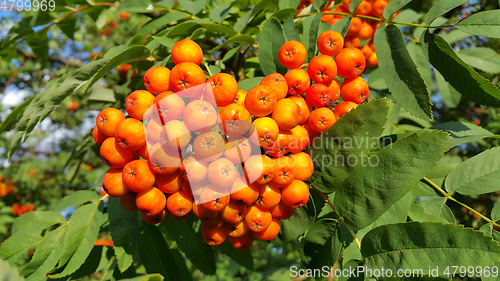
(187,51)
(343,107)
(238,149)
(270,232)
(179,203)
(257,218)
(366,31)
(269,196)
(335,90)
(208,146)
(321,119)
(213,237)
(266,131)
(260,101)
(244,193)
(222,173)
(151,201)
(284,171)
(113,184)
(243,242)
(184,76)
(259,169)
(298,81)
(354,89)
(235,120)
(224,88)
(351,41)
(292,54)
(156,79)
(322,69)
(177,135)
(378,8)
(304,166)
(286,114)
(233,212)
(330,43)
(318,95)
(277,83)
(98,136)
(115,155)
(169,106)
(108,119)
(296,194)
(214,198)
(169,183)
(350,62)
(354,27)
(138,176)
(130,134)
(199,116)
(305,109)
(236,230)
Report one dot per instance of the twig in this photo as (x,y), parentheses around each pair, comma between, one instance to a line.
(340,218)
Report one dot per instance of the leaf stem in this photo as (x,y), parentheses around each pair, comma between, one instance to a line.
(448,196)
(208,69)
(340,218)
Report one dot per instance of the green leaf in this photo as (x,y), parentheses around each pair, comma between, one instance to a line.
(351,137)
(149,277)
(376,81)
(342,25)
(216,28)
(349,266)
(318,5)
(165,41)
(242,23)
(423,65)
(161,22)
(437,206)
(68,26)
(18,244)
(482,58)
(442,7)
(249,83)
(242,257)
(192,245)
(418,213)
(219,13)
(477,175)
(485,23)
(310,34)
(242,38)
(461,132)
(495,212)
(455,35)
(102,94)
(394,59)
(450,96)
(46,255)
(136,6)
(193,7)
(35,222)
(437,176)
(8,272)
(420,245)
(83,228)
(8,122)
(283,4)
(124,229)
(75,199)
(369,191)
(155,254)
(92,263)
(461,76)
(282,15)
(393,7)
(322,244)
(130,54)
(299,222)
(354,5)
(290,30)
(270,41)
(40,45)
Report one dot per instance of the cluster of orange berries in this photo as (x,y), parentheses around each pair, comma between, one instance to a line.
(6,187)
(196,165)
(20,209)
(360,29)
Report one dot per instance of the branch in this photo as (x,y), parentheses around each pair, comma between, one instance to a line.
(340,218)
(32,56)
